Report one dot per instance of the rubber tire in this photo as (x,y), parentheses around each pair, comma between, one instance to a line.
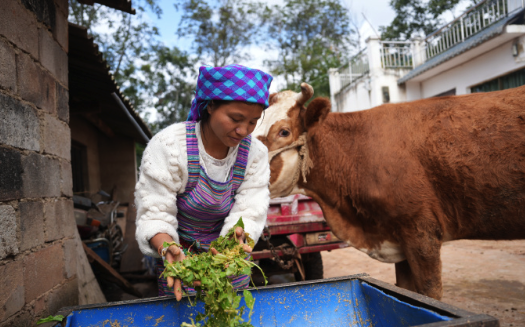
(313,266)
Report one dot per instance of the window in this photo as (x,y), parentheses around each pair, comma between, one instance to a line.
(79,168)
(508,81)
(386,94)
(446,93)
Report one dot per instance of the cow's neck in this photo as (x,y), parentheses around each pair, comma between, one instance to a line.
(332,151)
(330,180)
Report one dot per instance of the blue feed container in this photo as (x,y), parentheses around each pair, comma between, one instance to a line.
(346,301)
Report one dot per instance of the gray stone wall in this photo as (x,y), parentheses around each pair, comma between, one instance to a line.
(37,228)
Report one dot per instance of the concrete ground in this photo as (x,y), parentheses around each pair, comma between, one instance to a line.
(478,276)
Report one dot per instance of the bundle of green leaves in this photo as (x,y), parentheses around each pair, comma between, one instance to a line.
(215,272)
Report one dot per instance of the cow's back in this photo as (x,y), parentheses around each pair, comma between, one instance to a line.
(472,153)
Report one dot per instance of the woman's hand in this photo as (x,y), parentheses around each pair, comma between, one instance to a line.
(174,254)
(241,238)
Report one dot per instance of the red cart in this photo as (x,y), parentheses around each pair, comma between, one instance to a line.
(295,234)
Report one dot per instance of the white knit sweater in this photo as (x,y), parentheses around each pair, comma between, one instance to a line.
(164,175)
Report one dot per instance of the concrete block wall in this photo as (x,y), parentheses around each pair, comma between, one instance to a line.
(37,228)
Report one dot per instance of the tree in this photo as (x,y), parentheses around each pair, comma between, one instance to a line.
(167,75)
(311,36)
(221,30)
(153,76)
(414,17)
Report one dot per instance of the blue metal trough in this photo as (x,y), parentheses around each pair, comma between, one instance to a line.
(356,300)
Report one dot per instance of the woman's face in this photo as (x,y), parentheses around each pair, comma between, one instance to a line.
(233,121)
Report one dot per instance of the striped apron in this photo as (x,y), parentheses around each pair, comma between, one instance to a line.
(204,205)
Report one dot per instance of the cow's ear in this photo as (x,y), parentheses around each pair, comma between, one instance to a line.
(316,112)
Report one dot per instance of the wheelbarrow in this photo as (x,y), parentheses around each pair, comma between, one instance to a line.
(356,300)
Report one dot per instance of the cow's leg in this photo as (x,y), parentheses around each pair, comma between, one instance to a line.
(424,261)
(421,245)
(404,278)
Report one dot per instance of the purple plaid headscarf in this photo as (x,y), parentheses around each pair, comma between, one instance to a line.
(233,83)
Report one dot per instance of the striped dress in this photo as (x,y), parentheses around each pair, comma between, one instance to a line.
(205,204)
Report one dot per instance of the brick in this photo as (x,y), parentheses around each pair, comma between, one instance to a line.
(62,98)
(22,319)
(51,227)
(10,174)
(65,296)
(19,26)
(19,124)
(61,31)
(52,56)
(59,219)
(41,176)
(11,289)
(70,258)
(8,241)
(39,306)
(7,67)
(57,137)
(44,11)
(43,270)
(34,84)
(66,178)
(31,224)
(66,217)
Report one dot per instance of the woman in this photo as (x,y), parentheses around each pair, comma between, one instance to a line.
(199,177)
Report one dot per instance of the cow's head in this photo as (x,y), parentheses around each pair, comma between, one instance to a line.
(282,130)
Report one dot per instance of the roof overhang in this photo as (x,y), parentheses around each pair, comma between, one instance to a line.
(122,5)
(490,38)
(93,93)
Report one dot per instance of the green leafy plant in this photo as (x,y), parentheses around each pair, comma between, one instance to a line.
(221,302)
(50,319)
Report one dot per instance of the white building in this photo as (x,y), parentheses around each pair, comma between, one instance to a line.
(482,50)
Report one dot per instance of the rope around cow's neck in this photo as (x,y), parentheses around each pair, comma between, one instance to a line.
(304,164)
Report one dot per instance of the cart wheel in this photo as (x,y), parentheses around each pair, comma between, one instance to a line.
(313,266)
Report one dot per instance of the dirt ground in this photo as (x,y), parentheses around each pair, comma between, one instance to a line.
(478,276)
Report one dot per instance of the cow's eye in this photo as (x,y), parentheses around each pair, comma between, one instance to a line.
(284,133)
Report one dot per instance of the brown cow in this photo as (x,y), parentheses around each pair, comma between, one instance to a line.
(398,180)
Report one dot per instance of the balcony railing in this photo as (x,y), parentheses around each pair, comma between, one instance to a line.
(355,69)
(469,23)
(396,54)
(408,55)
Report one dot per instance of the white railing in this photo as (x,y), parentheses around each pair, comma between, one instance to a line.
(355,69)
(469,23)
(396,54)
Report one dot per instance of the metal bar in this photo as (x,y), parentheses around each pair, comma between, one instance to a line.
(133,121)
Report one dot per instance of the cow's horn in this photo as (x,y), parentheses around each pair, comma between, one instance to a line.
(306,93)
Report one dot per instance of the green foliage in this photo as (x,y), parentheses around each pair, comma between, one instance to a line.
(311,37)
(221,30)
(165,80)
(58,318)
(221,302)
(151,75)
(414,17)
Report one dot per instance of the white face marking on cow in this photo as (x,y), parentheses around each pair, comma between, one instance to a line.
(276,130)
(276,112)
(282,103)
(282,186)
